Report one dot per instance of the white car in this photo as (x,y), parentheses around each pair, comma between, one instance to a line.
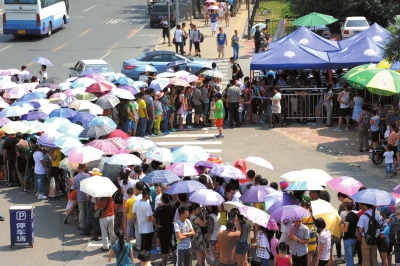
(91,65)
(353,25)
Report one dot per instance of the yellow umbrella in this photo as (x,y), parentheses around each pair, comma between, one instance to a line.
(324,210)
(387,65)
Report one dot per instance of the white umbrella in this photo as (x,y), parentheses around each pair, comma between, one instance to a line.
(181,82)
(49,108)
(166,75)
(13,111)
(98,186)
(123,94)
(181,73)
(229,205)
(213,73)
(14,127)
(124,159)
(260,162)
(213,8)
(316,176)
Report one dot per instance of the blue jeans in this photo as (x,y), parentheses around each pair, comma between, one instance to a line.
(235,51)
(164,127)
(149,128)
(349,245)
(389,168)
(265,262)
(141,128)
(89,218)
(40,181)
(126,126)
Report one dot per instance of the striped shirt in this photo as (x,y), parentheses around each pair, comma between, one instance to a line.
(183,228)
(77,185)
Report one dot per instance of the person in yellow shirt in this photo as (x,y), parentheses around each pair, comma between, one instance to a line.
(143,116)
(128,214)
(55,169)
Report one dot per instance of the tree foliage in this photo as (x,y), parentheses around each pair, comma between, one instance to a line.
(392,49)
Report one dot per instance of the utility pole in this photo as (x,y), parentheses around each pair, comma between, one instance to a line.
(176,12)
(169,3)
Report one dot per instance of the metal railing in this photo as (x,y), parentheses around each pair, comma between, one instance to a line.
(273,25)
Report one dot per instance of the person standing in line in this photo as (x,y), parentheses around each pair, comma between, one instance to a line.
(222,41)
(328,105)
(129,232)
(122,250)
(166,111)
(43,74)
(198,101)
(235,45)
(276,107)
(206,93)
(363,128)
(196,41)
(142,212)
(150,112)
(191,37)
(125,115)
(178,35)
(299,237)
(143,115)
(28,168)
(219,115)
(233,101)
(324,243)
(344,110)
(184,231)
(133,118)
(106,204)
(257,39)
(165,28)
(227,243)
(25,74)
(20,162)
(9,159)
(369,252)
(349,227)
(76,185)
(214,21)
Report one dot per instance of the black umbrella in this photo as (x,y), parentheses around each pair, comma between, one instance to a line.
(96,131)
(47,85)
(54,80)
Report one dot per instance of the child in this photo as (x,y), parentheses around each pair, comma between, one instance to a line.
(283,259)
(389,166)
(212,110)
(218,115)
(129,232)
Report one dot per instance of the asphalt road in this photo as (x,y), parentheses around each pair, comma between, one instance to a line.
(111,30)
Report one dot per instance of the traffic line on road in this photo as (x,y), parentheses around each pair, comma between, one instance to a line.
(213,150)
(135,31)
(89,8)
(112,47)
(197,143)
(104,21)
(95,243)
(5,48)
(105,55)
(83,33)
(59,47)
(188,135)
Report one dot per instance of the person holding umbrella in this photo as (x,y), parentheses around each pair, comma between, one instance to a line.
(43,74)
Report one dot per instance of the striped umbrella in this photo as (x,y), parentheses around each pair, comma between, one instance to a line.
(105,145)
(160,177)
(96,131)
(67,101)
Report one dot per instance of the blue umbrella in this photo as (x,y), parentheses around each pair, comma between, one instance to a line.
(159,84)
(125,80)
(63,112)
(38,103)
(32,96)
(103,120)
(209,165)
(67,101)
(42,61)
(304,186)
(184,187)
(24,105)
(146,68)
(83,117)
(176,63)
(375,197)
(160,176)
(35,115)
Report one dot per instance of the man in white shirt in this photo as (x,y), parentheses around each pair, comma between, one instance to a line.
(142,212)
(40,171)
(231,193)
(43,74)
(369,252)
(24,75)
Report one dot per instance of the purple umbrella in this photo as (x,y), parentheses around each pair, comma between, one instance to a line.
(47,85)
(206,197)
(63,112)
(227,171)
(184,187)
(97,76)
(129,88)
(278,199)
(4,121)
(290,213)
(67,101)
(35,115)
(48,138)
(209,165)
(83,117)
(256,193)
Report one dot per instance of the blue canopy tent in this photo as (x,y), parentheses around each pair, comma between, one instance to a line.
(365,50)
(290,55)
(308,38)
(375,32)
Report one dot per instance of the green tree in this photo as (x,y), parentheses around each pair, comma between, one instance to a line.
(392,49)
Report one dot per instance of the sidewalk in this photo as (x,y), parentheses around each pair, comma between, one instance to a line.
(209,47)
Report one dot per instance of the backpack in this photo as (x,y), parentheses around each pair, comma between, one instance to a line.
(201,36)
(373,231)
(240,74)
(394,233)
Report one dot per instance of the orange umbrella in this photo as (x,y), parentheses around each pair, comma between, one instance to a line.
(214,159)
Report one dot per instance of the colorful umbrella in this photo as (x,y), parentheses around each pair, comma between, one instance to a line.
(346,185)
(229,205)
(206,197)
(84,155)
(71,130)
(190,78)
(130,88)
(108,101)
(13,111)
(86,96)
(209,165)
(140,145)
(290,213)
(42,61)
(48,138)
(256,194)
(160,177)
(314,19)
(125,80)
(35,115)
(10,72)
(39,103)
(183,169)
(63,112)
(104,145)
(305,186)
(14,127)
(395,66)
(214,159)
(227,171)
(15,93)
(4,121)
(82,82)
(96,131)
(125,159)
(185,187)
(118,133)
(308,175)
(117,141)
(159,154)
(355,70)
(277,199)
(67,101)
(97,76)
(375,197)
(323,209)
(84,118)
(67,142)
(255,215)
(191,154)
(378,81)
(103,120)
(34,126)
(59,95)
(26,105)
(101,86)
(259,161)
(159,84)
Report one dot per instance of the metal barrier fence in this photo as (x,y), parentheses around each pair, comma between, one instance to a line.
(273,25)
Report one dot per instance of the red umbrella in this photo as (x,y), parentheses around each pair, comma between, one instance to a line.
(101,86)
(118,133)
(214,159)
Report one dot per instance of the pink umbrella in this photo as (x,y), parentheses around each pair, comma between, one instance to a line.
(105,145)
(84,155)
(255,215)
(260,162)
(59,95)
(8,85)
(190,78)
(96,76)
(10,72)
(213,8)
(397,189)
(184,169)
(15,93)
(396,196)
(345,184)
(101,86)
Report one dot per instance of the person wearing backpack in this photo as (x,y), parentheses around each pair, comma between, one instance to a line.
(368,227)
(363,128)
(393,232)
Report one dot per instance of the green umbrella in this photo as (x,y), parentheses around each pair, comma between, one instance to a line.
(355,70)
(377,80)
(314,19)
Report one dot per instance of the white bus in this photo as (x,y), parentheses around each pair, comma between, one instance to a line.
(34,17)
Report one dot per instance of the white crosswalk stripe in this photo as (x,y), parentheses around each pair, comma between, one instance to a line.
(224,68)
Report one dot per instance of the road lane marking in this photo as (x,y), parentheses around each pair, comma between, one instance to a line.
(188,135)
(5,48)
(89,8)
(83,33)
(104,21)
(132,32)
(113,21)
(135,31)
(198,143)
(112,47)
(59,47)
(105,55)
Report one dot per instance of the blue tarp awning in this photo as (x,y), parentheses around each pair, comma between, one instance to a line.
(365,50)
(308,38)
(375,32)
(290,55)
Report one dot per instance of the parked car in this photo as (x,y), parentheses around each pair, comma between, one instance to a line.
(158,11)
(352,26)
(91,65)
(160,60)
(322,31)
